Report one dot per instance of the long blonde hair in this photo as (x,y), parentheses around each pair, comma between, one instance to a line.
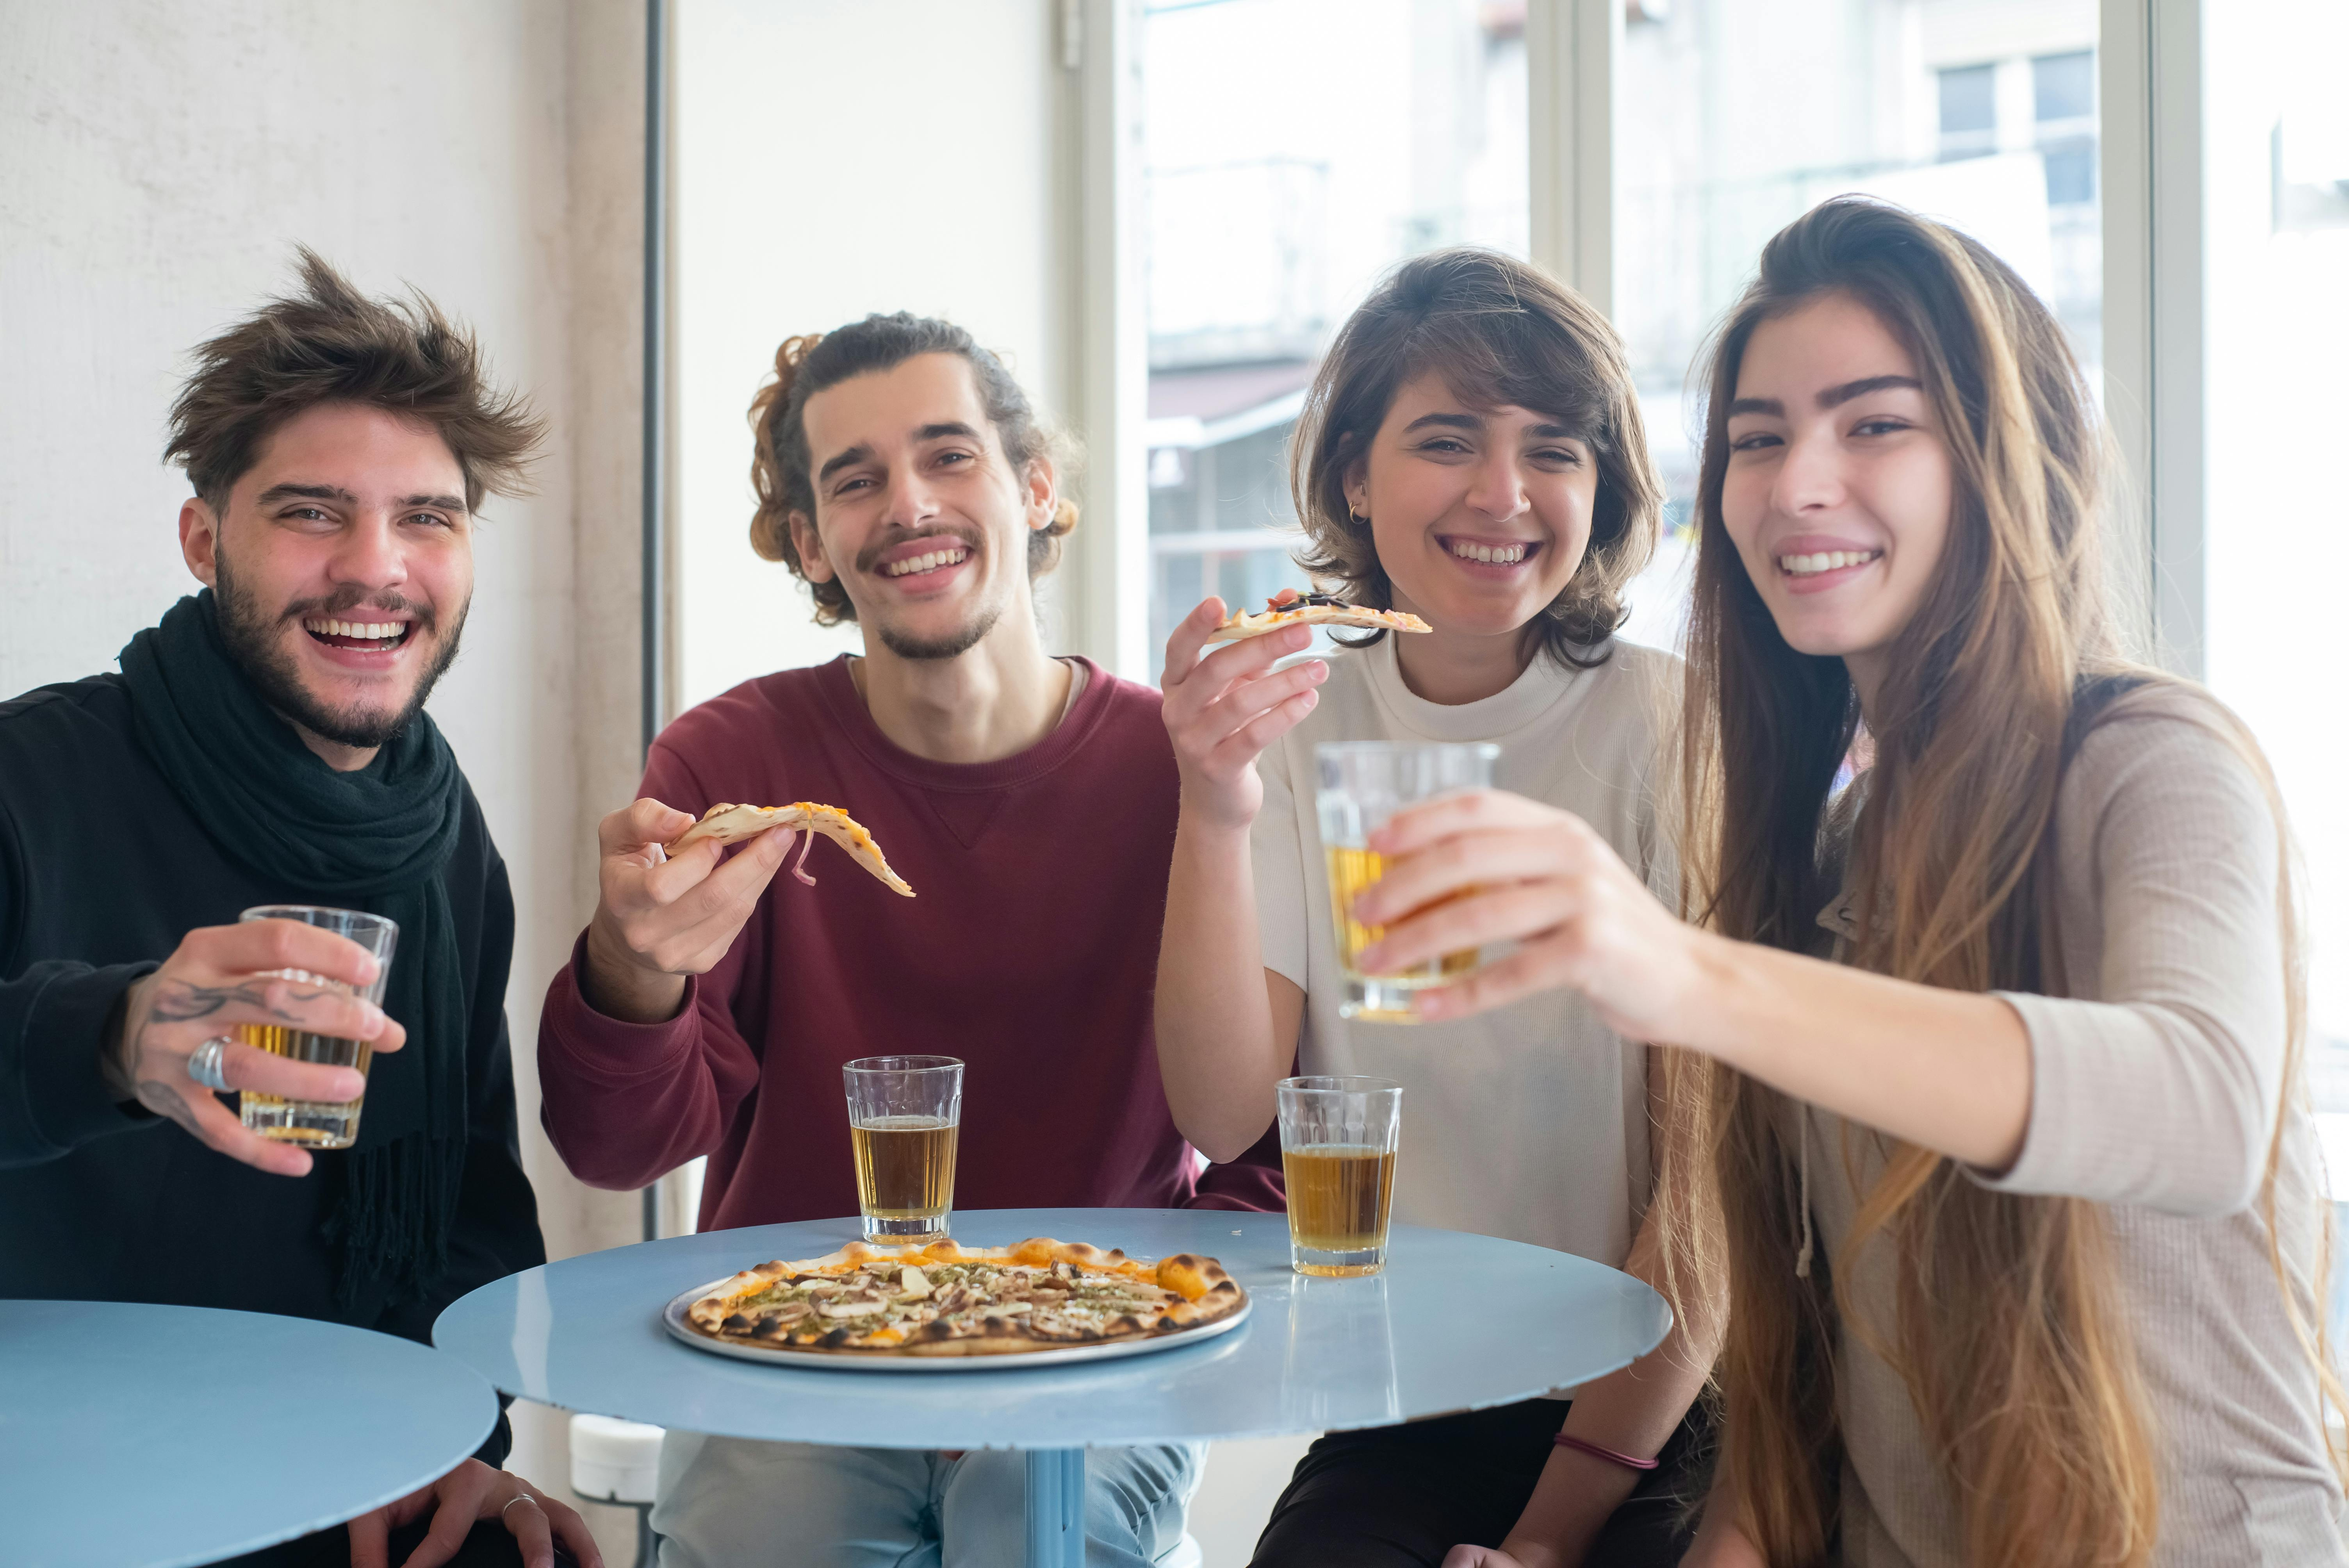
(2008,1332)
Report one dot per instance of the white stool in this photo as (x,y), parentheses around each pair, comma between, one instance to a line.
(619,1461)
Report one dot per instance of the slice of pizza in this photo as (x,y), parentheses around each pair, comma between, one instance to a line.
(1291,608)
(728,824)
(944,1299)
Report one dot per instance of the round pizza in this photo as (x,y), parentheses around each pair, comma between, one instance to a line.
(944,1299)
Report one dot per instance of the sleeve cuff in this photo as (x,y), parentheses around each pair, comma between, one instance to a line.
(65,1030)
(605,1051)
(2061,1154)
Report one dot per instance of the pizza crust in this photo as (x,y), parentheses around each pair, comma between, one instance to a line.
(1316,609)
(1190,1291)
(727,823)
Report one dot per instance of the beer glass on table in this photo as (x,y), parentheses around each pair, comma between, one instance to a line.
(317,1124)
(1363,783)
(903,1113)
(1338,1141)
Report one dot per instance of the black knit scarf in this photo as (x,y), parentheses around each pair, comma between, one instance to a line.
(376,840)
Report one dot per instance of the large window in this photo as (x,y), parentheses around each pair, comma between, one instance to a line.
(1738,116)
(2276,537)
(1273,197)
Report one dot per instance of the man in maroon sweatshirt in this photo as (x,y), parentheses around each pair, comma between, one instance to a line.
(1030,801)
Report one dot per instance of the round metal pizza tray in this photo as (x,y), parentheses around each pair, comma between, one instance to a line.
(673,1319)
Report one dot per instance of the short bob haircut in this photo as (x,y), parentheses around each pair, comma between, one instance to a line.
(805,366)
(1499,332)
(328,343)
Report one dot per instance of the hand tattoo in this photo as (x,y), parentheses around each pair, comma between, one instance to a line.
(178,1002)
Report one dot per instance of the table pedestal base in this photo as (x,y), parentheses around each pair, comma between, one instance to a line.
(1056,1508)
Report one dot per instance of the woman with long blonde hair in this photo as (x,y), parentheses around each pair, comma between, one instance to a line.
(1990,1096)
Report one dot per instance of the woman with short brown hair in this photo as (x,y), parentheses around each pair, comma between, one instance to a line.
(1471,452)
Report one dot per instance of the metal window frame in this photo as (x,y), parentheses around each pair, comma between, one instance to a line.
(1571,47)
(2150,86)
(1107,563)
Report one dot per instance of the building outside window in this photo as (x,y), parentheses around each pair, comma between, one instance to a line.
(1977,112)
(1275,197)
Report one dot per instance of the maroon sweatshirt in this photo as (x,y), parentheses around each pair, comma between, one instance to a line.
(1029,952)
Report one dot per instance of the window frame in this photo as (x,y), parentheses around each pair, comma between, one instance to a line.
(2150,186)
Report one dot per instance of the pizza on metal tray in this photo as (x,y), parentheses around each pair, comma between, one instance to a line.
(944,1299)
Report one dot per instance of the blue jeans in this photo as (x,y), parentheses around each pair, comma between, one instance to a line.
(731,1502)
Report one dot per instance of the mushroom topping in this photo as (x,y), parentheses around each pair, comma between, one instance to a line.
(912,1285)
(852,1307)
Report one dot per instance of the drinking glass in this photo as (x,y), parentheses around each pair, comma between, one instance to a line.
(317,1124)
(903,1113)
(1363,783)
(1338,1140)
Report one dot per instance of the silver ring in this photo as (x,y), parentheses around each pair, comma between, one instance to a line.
(204,1064)
(519,1497)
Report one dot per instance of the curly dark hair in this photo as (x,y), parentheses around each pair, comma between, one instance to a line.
(1499,331)
(331,344)
(806,365)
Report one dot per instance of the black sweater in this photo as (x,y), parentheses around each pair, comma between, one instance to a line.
(102,871)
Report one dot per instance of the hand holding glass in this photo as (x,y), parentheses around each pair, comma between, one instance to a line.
(317,1124)
(904,1115)
(1363,783)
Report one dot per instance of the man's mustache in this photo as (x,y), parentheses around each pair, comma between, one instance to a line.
(337,605)
(869,558)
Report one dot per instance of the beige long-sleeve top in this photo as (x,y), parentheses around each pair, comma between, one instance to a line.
(2155,1085)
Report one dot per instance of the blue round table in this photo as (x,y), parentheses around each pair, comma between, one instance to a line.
(156,1436)
(1316,1355)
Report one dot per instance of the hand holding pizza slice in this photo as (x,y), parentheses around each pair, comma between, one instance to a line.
(663,914)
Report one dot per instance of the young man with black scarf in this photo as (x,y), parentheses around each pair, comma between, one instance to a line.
(266,742)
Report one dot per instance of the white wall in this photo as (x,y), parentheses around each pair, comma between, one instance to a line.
(158,162)
(823,173)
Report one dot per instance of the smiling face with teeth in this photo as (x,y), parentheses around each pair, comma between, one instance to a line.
(342,562)
(1481,515)
(1838,488)
(919,515)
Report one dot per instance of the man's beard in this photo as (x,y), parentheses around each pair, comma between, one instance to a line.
(953,645)
(247,629)
(960,641)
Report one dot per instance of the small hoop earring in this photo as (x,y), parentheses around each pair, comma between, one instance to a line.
(1357,518)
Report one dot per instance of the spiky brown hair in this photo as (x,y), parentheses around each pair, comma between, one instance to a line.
(328,343)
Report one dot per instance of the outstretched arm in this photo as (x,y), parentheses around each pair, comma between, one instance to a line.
(1948,1071)
(1227,1026)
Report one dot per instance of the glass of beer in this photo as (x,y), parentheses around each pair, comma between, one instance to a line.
(317,1124)
(1363,783)
(903,1116)
(1338,1139)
